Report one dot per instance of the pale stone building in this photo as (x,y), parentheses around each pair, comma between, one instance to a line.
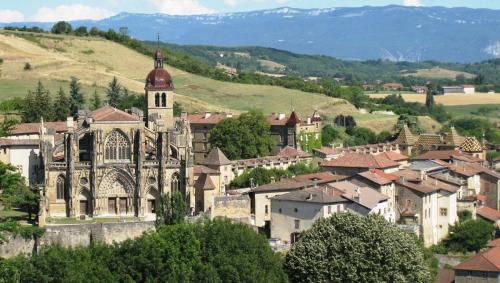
(114,164)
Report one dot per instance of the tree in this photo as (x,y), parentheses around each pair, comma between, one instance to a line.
(429,98)
(362,135)
(37,105)
(6,126)
(177,109)
(113,92)
(62,27)
(351,248)
(76,100)
(27,66)
(95,101)
(470,235)
(329,135)
(384,136)
(245,137)
(171,210)
(14,191)
(81,31)
(61,106)
(344,121)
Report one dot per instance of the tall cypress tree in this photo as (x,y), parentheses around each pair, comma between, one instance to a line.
(113,92)
(37,105)
(95,101)
(76,96)
(61,106)
(429,99)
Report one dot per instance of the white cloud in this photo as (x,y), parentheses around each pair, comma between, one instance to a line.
(182,7)
(10,16)
(70,13)
(281,1)
(231,2)
(415,3)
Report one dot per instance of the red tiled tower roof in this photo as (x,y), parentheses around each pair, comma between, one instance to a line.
(159,78)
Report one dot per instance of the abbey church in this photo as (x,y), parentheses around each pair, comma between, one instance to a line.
(110,163)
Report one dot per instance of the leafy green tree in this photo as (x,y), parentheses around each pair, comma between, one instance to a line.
(81,31)
(177,109)
(14,191)
(94,31)
(362,135)
(245,137)
(61,106)
(62,27)
(113,92)
(470,235)
(384,136)
(6,126)
(27,66)
(329,135)
(37,105)
(352,248)
(429,98)
(95,101)
(76,100)
(172,209)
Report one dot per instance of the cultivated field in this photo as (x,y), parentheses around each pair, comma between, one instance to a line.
(450,99)
(95,61)
(439,73)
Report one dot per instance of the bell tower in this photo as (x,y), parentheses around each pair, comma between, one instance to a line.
(159,95)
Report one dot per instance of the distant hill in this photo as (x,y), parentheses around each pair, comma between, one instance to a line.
(396,33)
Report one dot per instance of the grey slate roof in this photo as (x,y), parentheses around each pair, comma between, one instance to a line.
(216,157)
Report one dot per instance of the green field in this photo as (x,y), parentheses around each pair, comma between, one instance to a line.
(490,111)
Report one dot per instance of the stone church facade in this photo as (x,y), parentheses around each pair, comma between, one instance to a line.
(111,163)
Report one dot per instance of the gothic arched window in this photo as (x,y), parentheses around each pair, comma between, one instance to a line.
(157,100)
(163,100)
(174,183)
(117,147)
(61,186)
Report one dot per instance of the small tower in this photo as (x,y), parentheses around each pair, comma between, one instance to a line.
(159,96)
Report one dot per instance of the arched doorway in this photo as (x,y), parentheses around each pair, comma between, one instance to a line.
(85,200)
(152,199)
(115,194)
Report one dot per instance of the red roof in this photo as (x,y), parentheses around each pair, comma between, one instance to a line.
(438,154)
(206,119)
(488,213)
(358,160)
(292,152)
(34,128)
(494,243)
(487,261)
(378,177)
(111,114)
(158,79)
(481,198)
(21,142)
(394,156)
(294,119)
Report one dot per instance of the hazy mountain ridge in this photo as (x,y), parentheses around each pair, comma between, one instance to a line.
(397,33)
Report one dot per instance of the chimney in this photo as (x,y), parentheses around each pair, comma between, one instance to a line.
(207,115)
(357,196)
(281,116)
(308,120)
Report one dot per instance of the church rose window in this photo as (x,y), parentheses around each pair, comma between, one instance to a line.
(117,147)
(60,187)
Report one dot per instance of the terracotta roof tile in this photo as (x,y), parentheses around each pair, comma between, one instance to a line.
(453,138)
(438,154)
(204,182)
(13,142)
(207,119)
(34,128)
(319,178)
(487,261)
(471,144)
(202,169)
(358,160)
(405,137)
(488,213)
(293,152)
(376,177)
(394,156)
(427,141)
(494,243)
(216,157)
(111,114)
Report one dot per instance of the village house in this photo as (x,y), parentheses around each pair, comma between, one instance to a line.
(392,86)
(490,215)
(261,195)
(419,89)
(483,267)
(296,211)
(384,183)
(426,202)
(467,89)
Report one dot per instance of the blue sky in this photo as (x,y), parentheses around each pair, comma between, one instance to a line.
(53,10)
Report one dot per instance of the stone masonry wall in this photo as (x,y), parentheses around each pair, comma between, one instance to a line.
(76,235)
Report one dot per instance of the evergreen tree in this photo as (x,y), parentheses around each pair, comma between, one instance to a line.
(37,105)
(77,100)
(95,101)
(61,106)
(171,209)
(113,92)
(429,99)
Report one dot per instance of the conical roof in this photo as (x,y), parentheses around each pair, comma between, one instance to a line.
(405,137)
(294,119)
(204,182)
(453,138)
(216,158)
(471,144)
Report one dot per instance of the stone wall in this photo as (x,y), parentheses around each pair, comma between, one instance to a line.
(76,235)
(233,207)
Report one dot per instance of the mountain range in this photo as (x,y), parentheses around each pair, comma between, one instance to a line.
(396,33)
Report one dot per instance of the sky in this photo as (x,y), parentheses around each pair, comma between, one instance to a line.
(56,10)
